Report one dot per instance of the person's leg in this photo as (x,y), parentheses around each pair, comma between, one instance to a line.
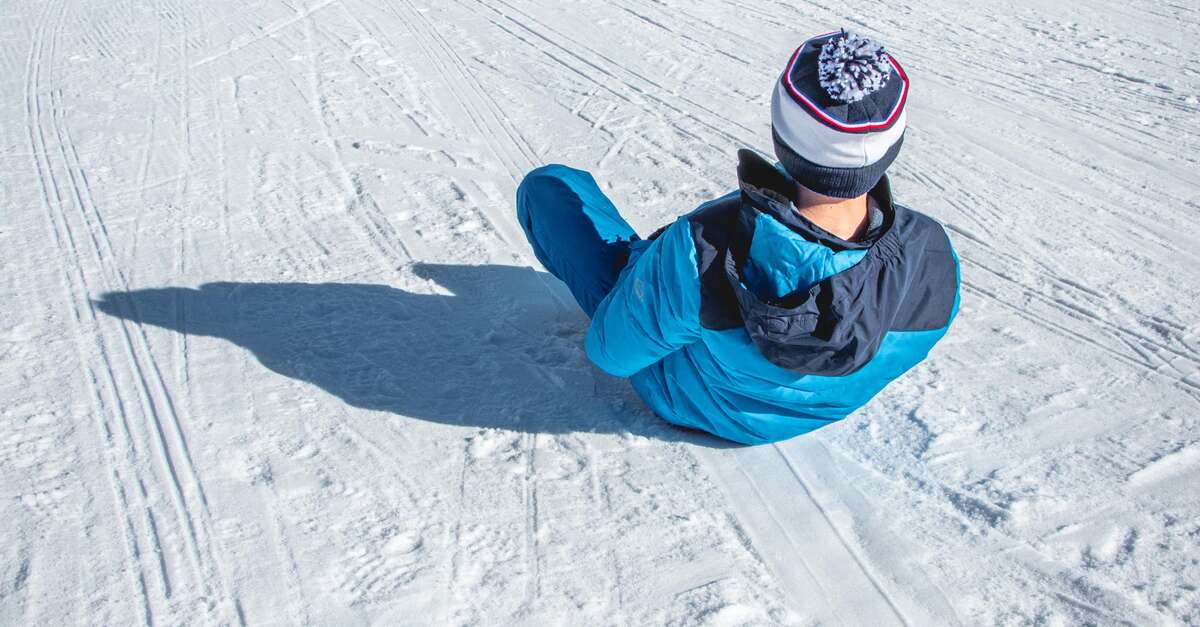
(576,232)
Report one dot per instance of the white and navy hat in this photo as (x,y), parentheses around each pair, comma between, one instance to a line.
(838,114)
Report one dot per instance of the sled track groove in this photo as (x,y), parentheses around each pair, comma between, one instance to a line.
(144,169)
(683,36)
(142,366)
(378,234)
(796,545)
(451,63)
(373,78)
(60,233)
(373,225)
(528,156)
(488,121)
(1184,385)
(611,68)
(772,504)
(299,603)
(624,91)
(529,489)
(862,566)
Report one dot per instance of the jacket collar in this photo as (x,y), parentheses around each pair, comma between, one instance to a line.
(772,191)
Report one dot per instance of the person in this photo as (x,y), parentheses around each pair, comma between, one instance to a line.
(785,305)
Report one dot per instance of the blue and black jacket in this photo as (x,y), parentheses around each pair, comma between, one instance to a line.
(746,320)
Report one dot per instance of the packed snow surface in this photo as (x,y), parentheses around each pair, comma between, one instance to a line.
(275,352)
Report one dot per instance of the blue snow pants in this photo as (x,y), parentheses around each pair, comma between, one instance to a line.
(576,232)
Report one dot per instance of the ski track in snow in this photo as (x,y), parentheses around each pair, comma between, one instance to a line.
(276,351)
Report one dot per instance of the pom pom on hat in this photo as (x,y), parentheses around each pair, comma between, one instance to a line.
(852,67)
(837,114)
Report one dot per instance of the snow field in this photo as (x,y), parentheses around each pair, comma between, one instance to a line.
(274,352)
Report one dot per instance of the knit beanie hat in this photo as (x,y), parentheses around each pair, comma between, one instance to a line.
(838,115)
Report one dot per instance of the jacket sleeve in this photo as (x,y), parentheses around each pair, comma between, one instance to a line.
(654,309)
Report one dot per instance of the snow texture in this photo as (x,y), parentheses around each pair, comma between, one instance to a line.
(274,353)
(851,68)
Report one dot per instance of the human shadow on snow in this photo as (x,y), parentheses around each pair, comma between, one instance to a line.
(496,352)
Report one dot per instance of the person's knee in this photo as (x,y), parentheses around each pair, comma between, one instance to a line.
(539,185)
(537,176)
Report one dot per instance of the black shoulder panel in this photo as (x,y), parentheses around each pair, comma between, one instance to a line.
(713,228)
(929,298)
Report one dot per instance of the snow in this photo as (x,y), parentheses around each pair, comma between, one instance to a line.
(275,353)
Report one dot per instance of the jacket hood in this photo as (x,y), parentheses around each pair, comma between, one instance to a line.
(843,295)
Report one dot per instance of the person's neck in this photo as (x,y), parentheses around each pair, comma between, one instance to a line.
(846,218)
